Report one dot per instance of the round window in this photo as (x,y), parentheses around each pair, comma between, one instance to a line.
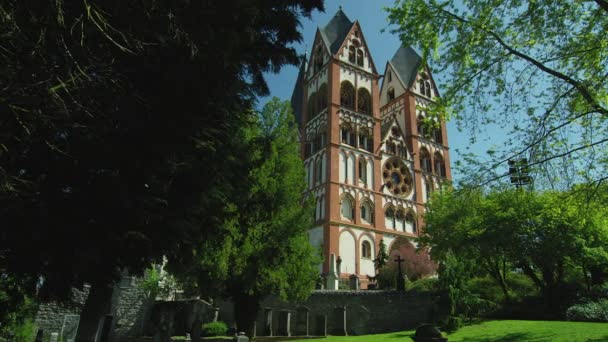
(397,177)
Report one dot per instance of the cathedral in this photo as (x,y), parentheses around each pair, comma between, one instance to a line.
(371,162)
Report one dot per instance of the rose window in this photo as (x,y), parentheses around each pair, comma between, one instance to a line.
(397,177)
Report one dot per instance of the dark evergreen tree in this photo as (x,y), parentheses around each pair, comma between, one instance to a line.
(115,116)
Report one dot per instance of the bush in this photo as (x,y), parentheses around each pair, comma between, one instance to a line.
(215,329)
(452,323)
(423,285)
(589,312)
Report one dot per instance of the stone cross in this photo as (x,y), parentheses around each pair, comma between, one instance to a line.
(400,280)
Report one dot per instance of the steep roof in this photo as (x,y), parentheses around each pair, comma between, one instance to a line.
(298,93)
(406,63)
(336,30)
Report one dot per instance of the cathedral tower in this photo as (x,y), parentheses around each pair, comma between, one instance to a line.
(370,161)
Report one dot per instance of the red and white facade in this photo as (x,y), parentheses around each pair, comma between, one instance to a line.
(370,165)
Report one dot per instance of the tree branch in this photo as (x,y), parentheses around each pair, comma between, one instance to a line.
(576,84)
(603,4)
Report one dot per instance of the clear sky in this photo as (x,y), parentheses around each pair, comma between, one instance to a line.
(382,45)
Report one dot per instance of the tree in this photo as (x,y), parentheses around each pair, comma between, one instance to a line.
(114,118)
(381,258)
(530,226)
(538,67)
(264,244)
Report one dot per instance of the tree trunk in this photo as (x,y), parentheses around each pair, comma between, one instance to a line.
(246,308)
(98,304)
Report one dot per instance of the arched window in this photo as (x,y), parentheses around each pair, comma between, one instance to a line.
(421,86)
(347,95)
(421,127)
(400,220)
(322,95)
(428,188)
(410,222)
(425,160)
(389,76)
(362,170)
(319,170)
(320,139)
(366,212)
(351,54)
(365,140)
(312,105)
(439,164)
(347,136)
(389,218)
(360,57)
(347,208)
(427,88)
(366,250)
(437,136)
(364,101)
(391,94)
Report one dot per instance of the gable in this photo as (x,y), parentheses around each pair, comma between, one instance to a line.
(393,139)
(334,33)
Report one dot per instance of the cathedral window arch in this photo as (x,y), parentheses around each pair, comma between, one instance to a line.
(365,139)
(410,222)
(390,94)
(437,136)
(360,58)
(366,250)
(312,105)
(322,96)
(364,101)
(427,88)
(320,138)
(347,207)
(425,160)
(367,212)
(400,220)
(362,170)
(389,218)
(352,54)
(421,127)
(347,95)
(347,134)
(319,170)
(439,165)
(428,188)
(389,76)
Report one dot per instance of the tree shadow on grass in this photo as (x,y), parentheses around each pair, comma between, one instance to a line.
(513,337)
(601,339)
(403,336)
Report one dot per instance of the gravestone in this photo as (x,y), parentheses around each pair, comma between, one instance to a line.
(302,328)
(321,325)
(267,322)
(338,323)
(70,327)
(54,337)
(284,323)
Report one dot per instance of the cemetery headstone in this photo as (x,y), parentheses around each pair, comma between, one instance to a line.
(353,282)
(241,337)
(54,337)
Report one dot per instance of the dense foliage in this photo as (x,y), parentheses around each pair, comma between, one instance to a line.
(535,68)
(589,312)
(263,244)
(118,121)
(218,328)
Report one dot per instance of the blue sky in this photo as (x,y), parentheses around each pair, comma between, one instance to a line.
(382,45)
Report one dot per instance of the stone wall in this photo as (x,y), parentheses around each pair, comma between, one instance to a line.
(130,307)
(62,318)
(339,313)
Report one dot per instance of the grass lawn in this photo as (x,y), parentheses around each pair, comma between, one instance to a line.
(502,331)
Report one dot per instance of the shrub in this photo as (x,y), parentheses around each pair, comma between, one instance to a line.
(215,329)
(452,323)
(423,285)
(589,312)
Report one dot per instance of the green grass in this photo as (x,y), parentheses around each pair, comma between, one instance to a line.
(503,331)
